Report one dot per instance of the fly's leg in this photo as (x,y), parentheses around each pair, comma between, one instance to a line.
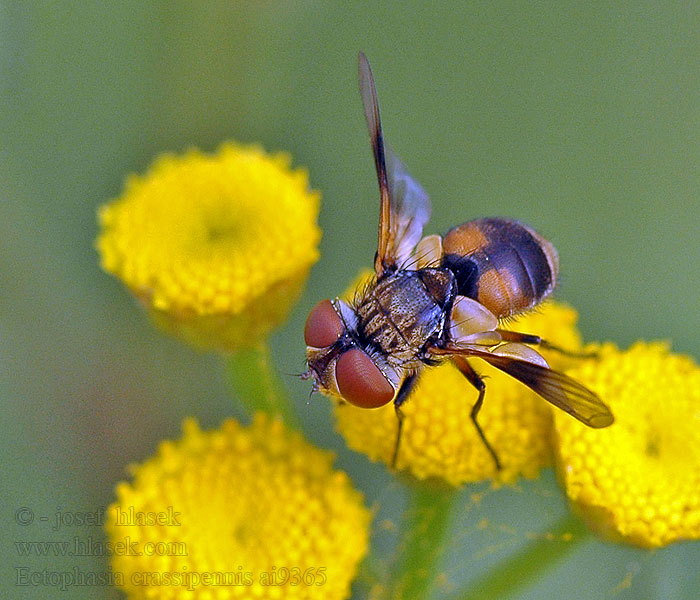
(401,397)
(536,340)
(475,379)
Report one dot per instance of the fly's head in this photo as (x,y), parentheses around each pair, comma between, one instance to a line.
(338,362)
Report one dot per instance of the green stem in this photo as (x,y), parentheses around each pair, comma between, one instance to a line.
(422,542)
(529,563)
(257,384)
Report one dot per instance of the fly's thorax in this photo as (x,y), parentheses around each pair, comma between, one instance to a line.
(405,311)
(503,264)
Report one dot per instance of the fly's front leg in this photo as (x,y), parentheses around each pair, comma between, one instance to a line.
(536,340)
(475,379)
(401,397)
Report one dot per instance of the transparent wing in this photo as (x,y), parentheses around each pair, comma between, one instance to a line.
(404,205)
(409,208)
(560,390)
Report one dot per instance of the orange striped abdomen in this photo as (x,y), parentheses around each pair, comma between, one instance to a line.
(502,264)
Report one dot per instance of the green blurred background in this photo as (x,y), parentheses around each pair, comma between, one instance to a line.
(582,120)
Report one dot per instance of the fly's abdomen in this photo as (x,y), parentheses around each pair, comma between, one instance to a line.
(502,264)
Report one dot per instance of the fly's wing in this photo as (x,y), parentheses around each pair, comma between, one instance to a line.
(409,209)
(560,390)
(405,207)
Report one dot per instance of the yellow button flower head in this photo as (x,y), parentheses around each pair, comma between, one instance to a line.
(439,438)
(217,247)
(637,481)
(238,512)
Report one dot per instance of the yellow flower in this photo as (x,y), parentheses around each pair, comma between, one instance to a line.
(217,247)
(439,438)
(238,512)
(637,481)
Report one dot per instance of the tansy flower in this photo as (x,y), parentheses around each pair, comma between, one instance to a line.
(439,438)
(238,512)
(217,247)
(637,481)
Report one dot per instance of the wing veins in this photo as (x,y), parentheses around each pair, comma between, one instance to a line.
(404,205)
(557,388)
(370,102)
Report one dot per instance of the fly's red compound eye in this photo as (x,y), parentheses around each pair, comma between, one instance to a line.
(323,325)
(360,381)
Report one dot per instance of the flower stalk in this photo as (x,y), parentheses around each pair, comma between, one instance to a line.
(540,555)
(257,384)
(423,541)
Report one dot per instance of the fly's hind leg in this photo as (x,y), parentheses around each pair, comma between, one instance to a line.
(536,340)
(475,379)
(401,397)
